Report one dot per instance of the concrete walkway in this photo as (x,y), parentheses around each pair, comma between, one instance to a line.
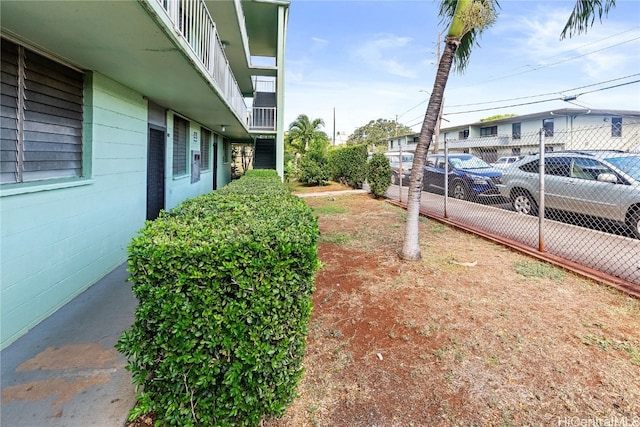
(66,371)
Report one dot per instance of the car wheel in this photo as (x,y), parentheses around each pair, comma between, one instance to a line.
(634,223)
(459,191)
(524,203)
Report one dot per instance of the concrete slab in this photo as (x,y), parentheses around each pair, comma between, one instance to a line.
(66,371)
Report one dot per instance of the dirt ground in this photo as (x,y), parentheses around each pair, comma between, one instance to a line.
(474,334)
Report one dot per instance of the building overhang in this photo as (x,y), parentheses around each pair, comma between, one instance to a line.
(131,43)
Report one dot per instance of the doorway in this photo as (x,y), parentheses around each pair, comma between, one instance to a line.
(155,172)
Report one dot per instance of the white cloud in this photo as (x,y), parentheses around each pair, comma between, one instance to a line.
(318,43)
(385,53)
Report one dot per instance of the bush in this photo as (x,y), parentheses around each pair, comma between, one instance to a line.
(224,285)
(313,170)
(379,174)
(349,165)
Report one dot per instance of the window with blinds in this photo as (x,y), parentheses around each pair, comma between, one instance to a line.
(180,133)
(41,117)
(205,143)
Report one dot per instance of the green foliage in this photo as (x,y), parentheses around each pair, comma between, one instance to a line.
(314,171)
(314,166)
(377,132)
(224,285)
(349,165)
(379,174)
(497,117)
(303,132)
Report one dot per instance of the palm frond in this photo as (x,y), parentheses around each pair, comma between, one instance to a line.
(584,14)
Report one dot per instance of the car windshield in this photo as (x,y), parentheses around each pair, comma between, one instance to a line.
(406,158)
(469,163)
(628,164)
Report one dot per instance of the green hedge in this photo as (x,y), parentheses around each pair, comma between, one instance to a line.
(349,165)
(224,284)
(379,174)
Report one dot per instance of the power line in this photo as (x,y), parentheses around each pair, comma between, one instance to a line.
(543,94)
(541,101)
(539,67)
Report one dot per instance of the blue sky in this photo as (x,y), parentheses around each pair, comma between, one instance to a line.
(377,59)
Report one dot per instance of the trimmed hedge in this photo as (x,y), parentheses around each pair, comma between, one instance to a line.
(349,165)
(378,174)
(224,284)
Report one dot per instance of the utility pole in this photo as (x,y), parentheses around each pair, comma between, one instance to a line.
(334,125)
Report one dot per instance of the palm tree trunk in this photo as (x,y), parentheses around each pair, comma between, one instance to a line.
(411,247)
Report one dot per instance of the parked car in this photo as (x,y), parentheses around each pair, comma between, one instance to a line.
(399,168)
(600,184)
(504,162)
(470,177)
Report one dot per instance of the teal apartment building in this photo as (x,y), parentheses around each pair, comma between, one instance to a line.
(112,111)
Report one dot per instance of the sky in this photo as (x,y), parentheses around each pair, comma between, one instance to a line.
(374,59)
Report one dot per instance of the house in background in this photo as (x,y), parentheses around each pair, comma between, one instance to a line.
(112,111)
(565,129)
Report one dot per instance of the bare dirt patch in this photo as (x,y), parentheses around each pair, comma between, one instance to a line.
(474,334)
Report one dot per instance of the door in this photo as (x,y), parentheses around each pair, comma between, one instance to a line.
(215,163)
(155,173)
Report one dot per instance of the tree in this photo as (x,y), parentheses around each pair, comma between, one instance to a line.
(302,132)
(468,19)
(377,132)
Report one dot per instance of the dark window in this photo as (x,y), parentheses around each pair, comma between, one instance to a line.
(559,166)
(180,127)
(464,134)
(42,103)
(616,127)
(532,167)
(226,150)
(515,131)
(205,143)
(489,131)
(547,124)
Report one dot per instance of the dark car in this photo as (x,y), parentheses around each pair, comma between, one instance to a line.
(470,177)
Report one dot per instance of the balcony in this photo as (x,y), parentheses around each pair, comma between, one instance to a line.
(191,19)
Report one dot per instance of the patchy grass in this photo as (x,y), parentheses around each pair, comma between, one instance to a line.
(466,336)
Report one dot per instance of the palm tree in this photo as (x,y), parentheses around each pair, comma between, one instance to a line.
(468,18)
(303,131)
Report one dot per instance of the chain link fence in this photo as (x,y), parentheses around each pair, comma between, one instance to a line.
(573,194)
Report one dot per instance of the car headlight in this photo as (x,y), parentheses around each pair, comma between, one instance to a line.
(478,180)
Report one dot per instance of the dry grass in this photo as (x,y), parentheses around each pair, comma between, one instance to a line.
(443,341)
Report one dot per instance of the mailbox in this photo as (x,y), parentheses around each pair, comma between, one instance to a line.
(195,166)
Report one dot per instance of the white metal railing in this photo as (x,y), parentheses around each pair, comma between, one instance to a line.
(192,21)
(263,118)
(264,84)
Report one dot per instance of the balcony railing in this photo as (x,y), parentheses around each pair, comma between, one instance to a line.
(263,118)
(192,21)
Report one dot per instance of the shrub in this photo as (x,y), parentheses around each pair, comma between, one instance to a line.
(379,174)
(349,165)
(313,170)
(224,285)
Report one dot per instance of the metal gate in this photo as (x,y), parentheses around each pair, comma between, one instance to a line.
(155,173)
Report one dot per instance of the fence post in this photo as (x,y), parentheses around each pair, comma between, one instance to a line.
(541,192)
(446,177)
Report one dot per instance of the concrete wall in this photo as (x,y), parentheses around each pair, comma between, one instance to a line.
(57,239)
